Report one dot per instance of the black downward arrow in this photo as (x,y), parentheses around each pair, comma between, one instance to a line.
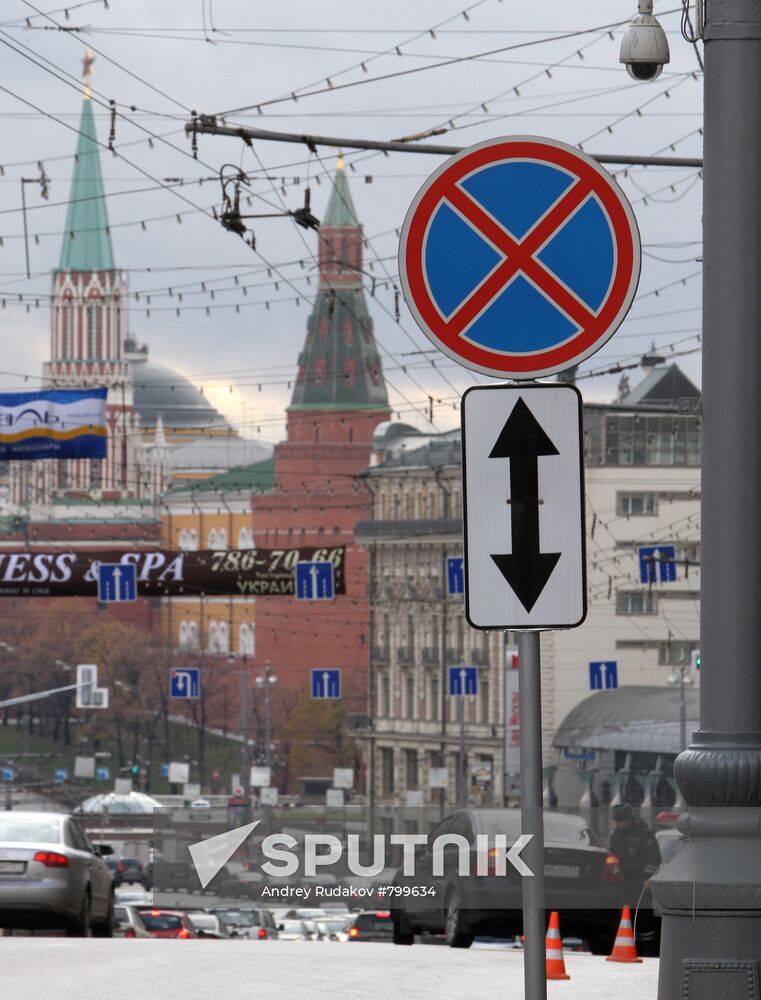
(523,440)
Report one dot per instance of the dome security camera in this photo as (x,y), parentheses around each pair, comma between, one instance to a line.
(645,48)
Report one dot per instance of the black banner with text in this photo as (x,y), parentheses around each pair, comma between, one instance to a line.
(241,572)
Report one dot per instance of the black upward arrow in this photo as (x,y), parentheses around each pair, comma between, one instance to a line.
(523,440)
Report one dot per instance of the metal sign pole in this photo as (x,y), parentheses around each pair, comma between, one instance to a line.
(532,820)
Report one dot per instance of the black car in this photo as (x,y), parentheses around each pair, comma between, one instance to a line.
(128,870)
(582,878)
(372,925)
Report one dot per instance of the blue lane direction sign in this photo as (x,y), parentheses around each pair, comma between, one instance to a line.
(455,575)
(657,563)
(463,681)
(61,775)
(102,773)
(117,582)
(603,674)
(326,684)
(185,682)
(8,774)
(519,257)
(315,581)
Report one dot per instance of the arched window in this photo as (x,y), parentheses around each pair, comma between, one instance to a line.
(348,331)
(350,371)
(245,538)
(213,638)
(320,369)
(184,540)
(222,539)
(183,635)
(192,636)
(223,638)
(93,330)
(213,543)
(246,639)
(67,332)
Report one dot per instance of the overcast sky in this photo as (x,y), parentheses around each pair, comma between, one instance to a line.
(213,56)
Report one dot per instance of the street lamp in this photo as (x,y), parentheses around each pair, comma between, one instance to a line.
(245,759)
(264,682)
(683,679)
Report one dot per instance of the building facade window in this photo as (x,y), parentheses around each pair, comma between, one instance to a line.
(434,695)
(636,504)
(245,538)
(246,641)
(94,317)
(188,637)
(636,602)
(385,696)
(645,440)
(96,473)
(67,332)
(387,770)
(484,695)
(411,771)
(676,653)
(409,697)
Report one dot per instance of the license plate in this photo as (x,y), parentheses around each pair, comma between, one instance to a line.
(562,871)
(12,867)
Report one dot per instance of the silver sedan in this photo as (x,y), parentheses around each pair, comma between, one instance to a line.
(51,876)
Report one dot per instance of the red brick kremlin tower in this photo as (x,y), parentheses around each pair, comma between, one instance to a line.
(338,400)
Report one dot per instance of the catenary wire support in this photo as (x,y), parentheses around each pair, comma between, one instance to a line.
(208,125)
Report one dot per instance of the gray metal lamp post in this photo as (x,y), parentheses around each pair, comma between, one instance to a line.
(710,891)
(264,682)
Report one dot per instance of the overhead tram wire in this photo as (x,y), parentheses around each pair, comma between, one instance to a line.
(380,261)
(420,69)
(103,55)
(335,291)
(61,74)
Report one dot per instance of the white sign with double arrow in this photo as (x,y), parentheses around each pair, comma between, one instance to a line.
(523,475)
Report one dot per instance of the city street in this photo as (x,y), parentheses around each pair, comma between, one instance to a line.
(172,970)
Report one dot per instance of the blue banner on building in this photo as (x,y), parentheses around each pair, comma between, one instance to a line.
(53,423)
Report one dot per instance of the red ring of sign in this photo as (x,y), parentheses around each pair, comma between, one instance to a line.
(608,318)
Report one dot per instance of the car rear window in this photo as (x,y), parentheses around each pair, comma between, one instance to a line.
(558,829)
(30,831)
(161,921)
(240,918)
(373,922)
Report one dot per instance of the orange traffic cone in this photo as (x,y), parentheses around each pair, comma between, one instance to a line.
(554,946)
(624,948)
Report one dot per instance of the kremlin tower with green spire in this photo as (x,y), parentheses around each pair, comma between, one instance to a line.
(338,400)
(87,335)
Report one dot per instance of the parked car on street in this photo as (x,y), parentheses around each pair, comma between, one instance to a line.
(51,875)
(582,878)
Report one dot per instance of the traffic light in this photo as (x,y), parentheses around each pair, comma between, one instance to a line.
(696,659)
(135,770)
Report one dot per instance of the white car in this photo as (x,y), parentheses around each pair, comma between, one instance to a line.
(200,804)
